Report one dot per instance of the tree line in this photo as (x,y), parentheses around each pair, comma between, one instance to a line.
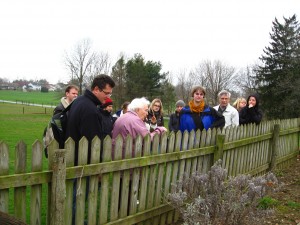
(275,77)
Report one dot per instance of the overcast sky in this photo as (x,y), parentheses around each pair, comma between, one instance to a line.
(180,34)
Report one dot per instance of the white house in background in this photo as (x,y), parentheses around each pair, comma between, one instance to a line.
(51,87)
(32,87)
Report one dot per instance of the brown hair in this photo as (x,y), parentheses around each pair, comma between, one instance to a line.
(197,88)
(71,86)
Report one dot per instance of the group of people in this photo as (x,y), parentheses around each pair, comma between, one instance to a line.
(91,114)
(197,114)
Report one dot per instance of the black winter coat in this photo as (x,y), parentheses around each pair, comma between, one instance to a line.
(251,115)
(174,122)
(84,119)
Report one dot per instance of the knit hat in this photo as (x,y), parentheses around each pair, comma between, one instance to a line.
(180,103)
(108,102)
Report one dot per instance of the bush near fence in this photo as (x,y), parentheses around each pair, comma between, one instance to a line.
(132,190)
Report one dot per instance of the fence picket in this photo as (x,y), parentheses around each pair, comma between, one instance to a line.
(4,170)
(125,181)
(70,156)
(20,192)
(81,182)
(94,182)
(104,188)
(135,177)
(116,181)
(36,190)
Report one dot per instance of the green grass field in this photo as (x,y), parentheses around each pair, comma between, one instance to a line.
(27,123)
(16,126)
(36,97)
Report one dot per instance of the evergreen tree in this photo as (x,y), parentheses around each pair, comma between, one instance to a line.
(143,78)
(278,77)
(118,75)
(168,97)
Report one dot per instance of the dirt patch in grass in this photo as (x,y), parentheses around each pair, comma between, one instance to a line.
(287,210)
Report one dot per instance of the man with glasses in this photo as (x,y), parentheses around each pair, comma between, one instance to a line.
(85,120)
(84,117)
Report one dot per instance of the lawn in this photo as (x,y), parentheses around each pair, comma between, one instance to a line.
(27,123)
(34,97)
(23,122)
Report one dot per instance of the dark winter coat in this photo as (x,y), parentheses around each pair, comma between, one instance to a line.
(251,115)
(174,122)
(107,122)
(159,118)
(84,119)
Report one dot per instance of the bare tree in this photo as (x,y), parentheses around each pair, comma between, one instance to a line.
(214,76)
(84,64)
(184,85)
(101,65)
(246,80)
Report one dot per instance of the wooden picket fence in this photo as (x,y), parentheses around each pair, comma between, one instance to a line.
(133,190)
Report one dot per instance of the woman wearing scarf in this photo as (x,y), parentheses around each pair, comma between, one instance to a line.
(199,115)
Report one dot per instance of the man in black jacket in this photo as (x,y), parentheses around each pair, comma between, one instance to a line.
(84,118)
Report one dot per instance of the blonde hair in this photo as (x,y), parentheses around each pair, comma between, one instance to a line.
(161,111)
(237,102)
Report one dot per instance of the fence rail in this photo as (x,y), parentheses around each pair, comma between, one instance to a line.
(132,190)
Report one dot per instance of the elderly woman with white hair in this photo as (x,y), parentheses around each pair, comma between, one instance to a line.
(132,123)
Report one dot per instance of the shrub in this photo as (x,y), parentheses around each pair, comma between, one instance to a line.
(267,202)
(44,89)
(214,198)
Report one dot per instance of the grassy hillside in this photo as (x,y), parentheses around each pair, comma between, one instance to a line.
(36,97)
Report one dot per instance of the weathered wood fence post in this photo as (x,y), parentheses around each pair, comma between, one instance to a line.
(274,147)
(219,147)
(58,188)
(4,170)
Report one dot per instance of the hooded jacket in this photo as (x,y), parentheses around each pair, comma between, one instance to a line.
(251,115)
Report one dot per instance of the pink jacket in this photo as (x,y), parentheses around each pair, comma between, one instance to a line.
(131,124)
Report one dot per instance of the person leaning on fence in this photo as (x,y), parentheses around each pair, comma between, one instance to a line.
(132,123)
(174,118)
(251,113)
(84,118)
(230,113)
(71,92)
(199,115)
(155,115)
